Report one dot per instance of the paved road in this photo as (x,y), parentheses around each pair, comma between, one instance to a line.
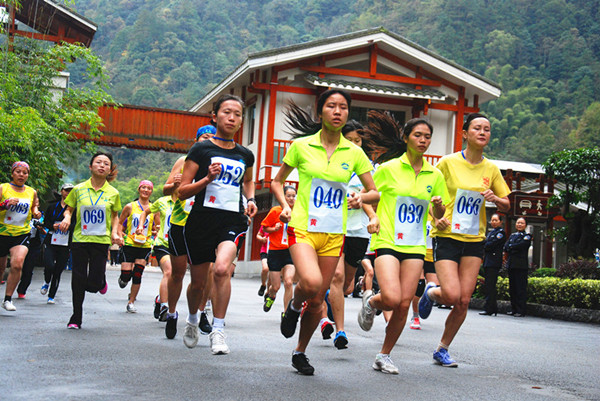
(118,355)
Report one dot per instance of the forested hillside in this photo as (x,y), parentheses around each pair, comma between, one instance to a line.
(544,53)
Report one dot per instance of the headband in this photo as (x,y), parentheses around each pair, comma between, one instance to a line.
(146,182)
(19,164)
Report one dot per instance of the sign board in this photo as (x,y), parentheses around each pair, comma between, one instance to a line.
(531,206)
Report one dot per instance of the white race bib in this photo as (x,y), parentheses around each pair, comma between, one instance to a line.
(167,227)
(409,215)
(325,206)
(224,192)
(135,221)
(467,207)
(16,215)
(60,238)
(93,220)
(284,235)
(189,202)
(428,238)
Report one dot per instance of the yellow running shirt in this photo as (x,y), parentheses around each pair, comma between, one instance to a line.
(321,204)
(94,211)
(164,205)
(404,204)
(466,209)
(131,239)
(14,221)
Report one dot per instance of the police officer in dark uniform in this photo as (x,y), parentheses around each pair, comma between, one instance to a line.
(492,262)
(517,249)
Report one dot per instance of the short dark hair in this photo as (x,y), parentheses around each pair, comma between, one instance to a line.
(102,153)
(325,95)
(412,123)
(472,117)
(351,125)
(225,98)
(288,187)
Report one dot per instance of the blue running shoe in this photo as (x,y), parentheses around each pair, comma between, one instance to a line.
(341,340)
(425,303)
(329,311)
(442,357)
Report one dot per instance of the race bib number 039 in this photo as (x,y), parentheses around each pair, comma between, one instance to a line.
(410,215)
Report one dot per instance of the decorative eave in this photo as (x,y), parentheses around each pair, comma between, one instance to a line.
(388,41)
(53,22)
(376,89)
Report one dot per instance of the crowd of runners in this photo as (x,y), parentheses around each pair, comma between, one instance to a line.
(367,200)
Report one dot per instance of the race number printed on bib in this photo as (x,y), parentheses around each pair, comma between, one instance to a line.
(135,221)
(93,220)
(16,215)
(428,238)
(325,206)
(60,238)
(224,192)
(465,217)
(408,227)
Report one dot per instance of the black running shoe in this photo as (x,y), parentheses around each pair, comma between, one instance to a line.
(261,290)
(204,326)
(156,307)
(162,315)
(171,327)
(289,321)
(300,363)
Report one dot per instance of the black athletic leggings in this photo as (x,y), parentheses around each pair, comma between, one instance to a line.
(55,261)
(89,269)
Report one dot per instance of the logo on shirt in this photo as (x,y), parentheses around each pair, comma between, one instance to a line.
(345,166)
(486,181)
(429,189)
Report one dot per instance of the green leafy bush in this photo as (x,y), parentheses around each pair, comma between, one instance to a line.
(584,269)
(544,272)
(553,291)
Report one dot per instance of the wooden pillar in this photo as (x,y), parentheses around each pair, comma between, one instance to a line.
(271,128)
(548,242)
(259,163)
(460,116)
(373,60)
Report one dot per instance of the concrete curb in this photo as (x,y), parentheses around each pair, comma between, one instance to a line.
(546,311)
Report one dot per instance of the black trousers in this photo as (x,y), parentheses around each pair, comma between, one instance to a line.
(30,260)
(491,292)
(517,281)
(55,261)
(89,269)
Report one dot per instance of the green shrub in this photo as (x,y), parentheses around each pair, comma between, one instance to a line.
(553,291)
(585,269)
(544,272)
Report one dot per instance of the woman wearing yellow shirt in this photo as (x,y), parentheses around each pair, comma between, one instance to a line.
(459,237)
(136,247)
(325,161)
(18,204)
(97,204)
(408,185)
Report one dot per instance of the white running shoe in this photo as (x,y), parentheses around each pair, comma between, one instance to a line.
(190,335)
(366,314)
(384,364)
(131,308)
(44,289)
(8,305)
(217,343)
